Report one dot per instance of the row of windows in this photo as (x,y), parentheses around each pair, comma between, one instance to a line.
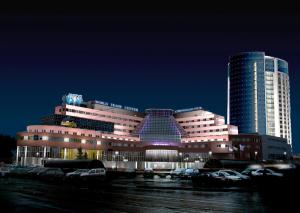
(63,132)
(69,139)
(123,130)
(198,126)
(197,146)
(212,130)
(203,140)
(81,134)
(245,139)
(101,115)
(133,126)
(222,146)
(191,121)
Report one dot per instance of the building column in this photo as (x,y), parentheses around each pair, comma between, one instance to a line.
(25,156)
(45,152)
(97,155)
(17,156)
(65,153)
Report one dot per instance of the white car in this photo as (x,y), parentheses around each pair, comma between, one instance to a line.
(235,173)
(266,172)
(177,172)
(225,176)
(98,172)
(190,172)
(76,173)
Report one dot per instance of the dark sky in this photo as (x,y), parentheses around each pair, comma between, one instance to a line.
(143,57)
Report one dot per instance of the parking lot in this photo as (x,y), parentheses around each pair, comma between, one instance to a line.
(124,195)
(123,192)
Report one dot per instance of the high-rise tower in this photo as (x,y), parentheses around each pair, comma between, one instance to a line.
(259,94)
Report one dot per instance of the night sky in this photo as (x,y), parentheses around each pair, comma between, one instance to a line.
(147,57)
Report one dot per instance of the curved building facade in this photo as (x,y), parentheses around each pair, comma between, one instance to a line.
(259,95)
(118,135)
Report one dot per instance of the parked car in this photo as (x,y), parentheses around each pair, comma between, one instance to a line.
(177,172)
(224,176)
(188,173)
(18,171)
(207,179)
(266,172)
(235,173)
(4,171)
(148,173)
(97,173)
(248,172)
(52,174)
(34,171)
(76,173)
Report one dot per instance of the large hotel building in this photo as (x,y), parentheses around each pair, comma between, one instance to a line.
(122,137)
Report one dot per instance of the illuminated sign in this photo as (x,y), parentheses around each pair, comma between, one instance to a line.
(69,124)
(131,108)
(188,109)
(117,106)
(72,99)
(102,103)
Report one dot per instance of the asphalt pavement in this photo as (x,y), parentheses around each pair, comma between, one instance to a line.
(126,195)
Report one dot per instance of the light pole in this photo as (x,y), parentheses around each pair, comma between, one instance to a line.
(180,158)
(255,155)
(284,155)
(37,158)
(116,155)
(186,161)
(210,154)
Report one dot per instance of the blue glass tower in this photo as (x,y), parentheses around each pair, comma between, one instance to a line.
(259,94)
(247,92)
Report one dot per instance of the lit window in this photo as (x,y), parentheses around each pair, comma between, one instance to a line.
(66,139)
(223,146)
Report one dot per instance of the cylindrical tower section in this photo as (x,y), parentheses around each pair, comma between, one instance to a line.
(247,92)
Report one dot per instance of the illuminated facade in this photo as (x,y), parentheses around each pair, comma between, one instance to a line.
(259,95)
(124,137)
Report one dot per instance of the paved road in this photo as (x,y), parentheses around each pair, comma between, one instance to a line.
(23,195)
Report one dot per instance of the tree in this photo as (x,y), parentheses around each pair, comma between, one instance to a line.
(80,154)
(8,145)
(85,156)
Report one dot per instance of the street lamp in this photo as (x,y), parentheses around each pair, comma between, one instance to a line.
(186,159)
(210,154)
(255,155)
(37,157)
(116,155)
(284,155)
